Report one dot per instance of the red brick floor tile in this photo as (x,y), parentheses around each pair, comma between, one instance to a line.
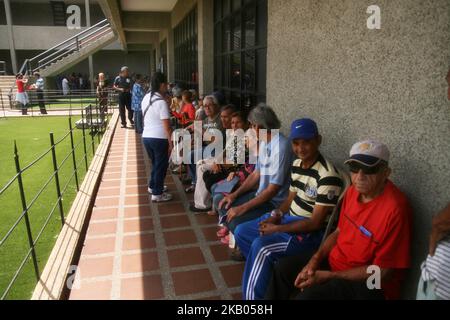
(99,246)
(95,267)
(233,274)
(188,282)
(111,183)
(142,190)
(138,212)
(109,176)
(173,238)
(137,181)
(102,228)
(214,298)
(139,242)
(220,252)
(210,233)
(108,192)
(237,296)
(138,225)
(204,219)
(92,291)
(106,202)
(140,262)
(103,214)
(142,288)
(185,257)
(175,222)
(137,200)
(171,208)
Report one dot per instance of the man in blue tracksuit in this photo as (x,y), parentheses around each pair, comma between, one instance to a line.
(297,226)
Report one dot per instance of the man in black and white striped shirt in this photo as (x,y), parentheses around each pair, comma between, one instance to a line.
(435,279)
(297,226)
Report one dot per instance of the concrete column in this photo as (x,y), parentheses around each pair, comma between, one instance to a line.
(12,47)
(90,59)
(158,54)
(170,56)
(205,23)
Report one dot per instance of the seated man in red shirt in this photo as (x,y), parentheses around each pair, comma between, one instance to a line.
(373,233)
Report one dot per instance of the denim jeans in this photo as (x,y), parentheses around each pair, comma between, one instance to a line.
(138,125)
(158,152)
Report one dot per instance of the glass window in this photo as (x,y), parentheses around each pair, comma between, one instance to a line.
(186,52)
(240,51)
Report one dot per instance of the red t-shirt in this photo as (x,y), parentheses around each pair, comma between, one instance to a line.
(188,109)
(385,241)
(20,85)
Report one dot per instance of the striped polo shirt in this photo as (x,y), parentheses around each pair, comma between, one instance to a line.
(321,185)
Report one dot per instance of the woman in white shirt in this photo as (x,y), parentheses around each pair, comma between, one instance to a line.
(157,136)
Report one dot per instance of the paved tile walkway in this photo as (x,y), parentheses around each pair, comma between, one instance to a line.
(135,249)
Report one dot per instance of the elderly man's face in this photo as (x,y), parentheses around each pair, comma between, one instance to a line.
(225,117)
(368,182)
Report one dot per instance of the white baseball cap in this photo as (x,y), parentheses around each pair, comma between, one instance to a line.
(369,153)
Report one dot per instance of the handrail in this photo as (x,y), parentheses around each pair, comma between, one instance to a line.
(70,39)
(69,45)
(27,68)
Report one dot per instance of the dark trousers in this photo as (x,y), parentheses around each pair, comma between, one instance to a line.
(287,269)
(158,152)
(125,103)
(41,101)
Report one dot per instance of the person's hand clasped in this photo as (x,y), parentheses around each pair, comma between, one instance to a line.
(233,213)
(266,228)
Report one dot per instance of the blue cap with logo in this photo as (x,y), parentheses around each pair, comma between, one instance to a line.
(304,129)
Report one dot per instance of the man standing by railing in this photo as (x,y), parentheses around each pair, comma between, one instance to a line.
(123,85)
(39,86)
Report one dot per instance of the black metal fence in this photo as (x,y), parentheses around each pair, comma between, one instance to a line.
(77,166)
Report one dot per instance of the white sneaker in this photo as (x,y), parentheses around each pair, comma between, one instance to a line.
(162,198)
(165,189)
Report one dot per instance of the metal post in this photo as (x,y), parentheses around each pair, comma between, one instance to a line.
(84,139)
(25,210)
(58,188)
(73,154)
(92,133)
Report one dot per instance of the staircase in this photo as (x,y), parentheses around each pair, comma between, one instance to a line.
(6,82)
(64,55)
(70,52)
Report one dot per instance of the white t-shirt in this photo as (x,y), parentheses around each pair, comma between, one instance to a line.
(158,111)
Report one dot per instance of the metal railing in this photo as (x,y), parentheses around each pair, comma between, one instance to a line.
(73,180)
(65,48)
(55,100)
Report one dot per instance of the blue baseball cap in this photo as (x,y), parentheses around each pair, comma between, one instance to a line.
(304,129)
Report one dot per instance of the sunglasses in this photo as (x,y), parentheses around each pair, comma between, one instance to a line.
(355,167)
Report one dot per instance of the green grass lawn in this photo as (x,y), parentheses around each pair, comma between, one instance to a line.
(65,103)
(32,137)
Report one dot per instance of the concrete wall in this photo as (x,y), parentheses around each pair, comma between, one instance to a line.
(24,14)
(386,84)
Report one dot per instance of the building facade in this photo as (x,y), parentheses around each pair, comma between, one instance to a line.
(309,58)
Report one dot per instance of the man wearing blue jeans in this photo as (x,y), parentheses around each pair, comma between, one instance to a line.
(270,178)
(297,227)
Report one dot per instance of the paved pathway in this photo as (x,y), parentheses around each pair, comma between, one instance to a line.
(135,249)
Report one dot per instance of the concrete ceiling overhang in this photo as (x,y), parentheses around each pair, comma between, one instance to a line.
(138,22)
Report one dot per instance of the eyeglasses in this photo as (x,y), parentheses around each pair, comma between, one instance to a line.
(355,167)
